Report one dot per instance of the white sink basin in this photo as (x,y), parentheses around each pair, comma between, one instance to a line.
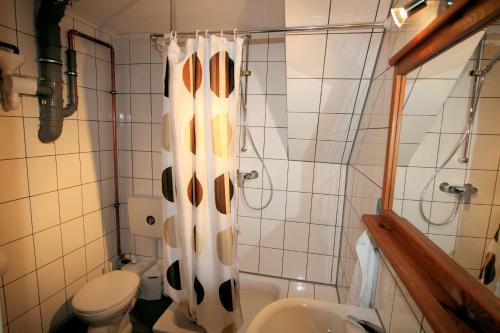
(298,315)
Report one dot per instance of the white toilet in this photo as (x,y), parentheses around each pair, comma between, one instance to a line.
(105,302)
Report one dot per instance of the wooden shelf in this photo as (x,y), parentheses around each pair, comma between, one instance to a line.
(449,297)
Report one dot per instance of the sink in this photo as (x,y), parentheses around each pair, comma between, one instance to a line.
(299,315)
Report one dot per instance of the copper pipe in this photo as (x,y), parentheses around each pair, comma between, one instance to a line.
(71,44)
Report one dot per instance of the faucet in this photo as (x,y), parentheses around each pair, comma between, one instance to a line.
(466,191)
(242,176)
(364,325)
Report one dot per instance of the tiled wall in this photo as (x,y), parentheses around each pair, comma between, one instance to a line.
(57,224)
(139,77)
(304,126)
(364,184)
(468,235)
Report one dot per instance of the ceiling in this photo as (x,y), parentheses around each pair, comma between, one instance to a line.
(128,16)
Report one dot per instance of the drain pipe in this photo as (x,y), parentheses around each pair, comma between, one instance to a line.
(71,44)
(52,112)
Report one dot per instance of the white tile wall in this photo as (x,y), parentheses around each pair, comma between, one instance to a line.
(48,189)
(364,184)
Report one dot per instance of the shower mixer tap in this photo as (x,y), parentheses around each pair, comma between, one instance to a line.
(242,176)
(466,191)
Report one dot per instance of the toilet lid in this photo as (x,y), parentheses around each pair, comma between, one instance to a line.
(106,291)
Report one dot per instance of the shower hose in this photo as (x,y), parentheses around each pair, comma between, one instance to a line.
(467,131)
(268,202)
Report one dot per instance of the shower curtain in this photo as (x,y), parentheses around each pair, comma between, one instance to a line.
(198,139)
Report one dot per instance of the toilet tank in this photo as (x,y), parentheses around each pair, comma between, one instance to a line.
(145,216)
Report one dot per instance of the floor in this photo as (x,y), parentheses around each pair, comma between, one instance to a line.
(145,313)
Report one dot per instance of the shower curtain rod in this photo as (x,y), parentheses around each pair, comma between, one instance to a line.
(307,28)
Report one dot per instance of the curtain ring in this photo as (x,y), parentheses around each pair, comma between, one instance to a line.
(175,35)
(171,36)
(235,32)
(221,33)
(197,31)
(206,33)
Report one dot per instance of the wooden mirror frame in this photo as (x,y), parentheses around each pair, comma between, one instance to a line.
(450,299)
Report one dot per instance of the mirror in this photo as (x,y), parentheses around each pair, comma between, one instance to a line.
(448,180)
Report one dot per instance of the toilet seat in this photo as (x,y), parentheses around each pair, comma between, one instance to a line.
(107,293)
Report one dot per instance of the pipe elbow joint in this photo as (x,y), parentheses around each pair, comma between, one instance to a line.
(49,131)
(69,109)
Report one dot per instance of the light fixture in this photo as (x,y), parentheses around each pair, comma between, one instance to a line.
(401,14)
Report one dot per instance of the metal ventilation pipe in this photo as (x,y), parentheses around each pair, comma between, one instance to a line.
(52,111)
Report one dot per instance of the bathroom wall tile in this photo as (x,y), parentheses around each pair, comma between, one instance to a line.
(276,209)
(21,295)
(321,239)
(333,127)
(319,268)
(270,261)
(42,174)
(83,45)
(142,164)
(68,170)
(256,108)
(157,78)
(50,279)
(53,311)
(300,176)
(481,154)
(339,96)
(94,253)
(18,210)
(276,51)
(103,73)
(294,265)
(249,258)
(445,242)
(301,150)
(257,82)
(278,170)
(349,63)
(93,226)
(330,151)
(106,164)
(105,135)
(301,62)
(48,245)
(22,250)
(72,235)
(272,233)
(104,108)
(249,228)
(326,178)
(140,106)
(13,176)
(276,78)
(87,104)
(91,197)
(469,252)
(276,143)
(303,95)
(298,206)
(123,78)
(140,48)
(295,236)
(11,129)
(324,209)
(28,322)
(88,132)
(258,47)
(45,211)
(121,43)
(276,111)
(140,78)
(302,125)
(90,167)
(27,47)
(258,138)
(141,137)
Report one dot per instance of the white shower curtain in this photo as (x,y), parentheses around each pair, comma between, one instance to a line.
(198,180)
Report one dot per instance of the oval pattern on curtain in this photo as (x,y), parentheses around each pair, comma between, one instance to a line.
(216,73)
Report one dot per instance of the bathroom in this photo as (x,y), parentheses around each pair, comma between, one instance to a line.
(362,154)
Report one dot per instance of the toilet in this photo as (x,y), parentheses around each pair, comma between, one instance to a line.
(105,302)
